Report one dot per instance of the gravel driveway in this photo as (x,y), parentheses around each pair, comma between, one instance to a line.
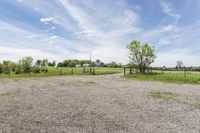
(97,104)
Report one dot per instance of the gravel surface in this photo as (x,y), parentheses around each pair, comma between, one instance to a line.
(97,104)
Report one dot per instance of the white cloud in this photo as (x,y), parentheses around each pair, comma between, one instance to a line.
(169,9)
(20,0)
(54,37)
(169,58)
(47,20)
(9,53)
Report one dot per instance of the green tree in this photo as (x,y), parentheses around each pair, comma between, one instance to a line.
(11,65)
(112,64)
(141,55)
(26,64)
(6,68)
(18,69)
(73,63)
(54,63)
(66,63)
(1,68)
(60,64)
(38,62)
(44,62)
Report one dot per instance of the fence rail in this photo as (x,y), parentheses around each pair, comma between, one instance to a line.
(150,70)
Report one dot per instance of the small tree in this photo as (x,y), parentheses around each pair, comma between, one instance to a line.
(112,64)
(18,69)
(38,62)
(44,62)
(26,64)
(1,68)
(6,68)
(60,64)
(141,55)
(54,63)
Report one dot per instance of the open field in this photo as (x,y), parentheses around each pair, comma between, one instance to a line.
(97,104)
(53,71)
(168,76)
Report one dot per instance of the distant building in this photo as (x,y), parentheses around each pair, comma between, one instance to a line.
(98,62)
(78,65)
(86,65)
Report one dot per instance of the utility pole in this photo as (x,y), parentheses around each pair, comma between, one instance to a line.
(90,57)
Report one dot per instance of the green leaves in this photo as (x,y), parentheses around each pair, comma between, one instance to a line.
(141,55)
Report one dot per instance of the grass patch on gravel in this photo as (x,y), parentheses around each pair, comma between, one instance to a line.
(197,106)
(162,95)
(6,94)
(10,93)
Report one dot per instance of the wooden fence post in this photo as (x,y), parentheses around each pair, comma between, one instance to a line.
(130,70)
(124,71)
(90,70)
(185,72)
(94,71)
(72,71)
(60,72)
(84,69)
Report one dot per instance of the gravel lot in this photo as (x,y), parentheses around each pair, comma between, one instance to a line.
(97,104)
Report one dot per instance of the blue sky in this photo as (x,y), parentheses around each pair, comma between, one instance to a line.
(63,29)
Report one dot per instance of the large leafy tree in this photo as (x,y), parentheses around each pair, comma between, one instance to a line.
(141,55)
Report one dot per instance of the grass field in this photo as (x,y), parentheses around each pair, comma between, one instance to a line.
(53,71)
(170,77)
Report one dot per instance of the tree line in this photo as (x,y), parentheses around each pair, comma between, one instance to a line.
(26,65)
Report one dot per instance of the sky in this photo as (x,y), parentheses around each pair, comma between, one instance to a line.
(72,29)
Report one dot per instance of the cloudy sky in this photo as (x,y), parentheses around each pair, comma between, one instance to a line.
(63,29)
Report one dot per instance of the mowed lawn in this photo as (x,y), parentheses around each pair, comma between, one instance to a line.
(168,76)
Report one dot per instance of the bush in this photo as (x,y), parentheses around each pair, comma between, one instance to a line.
(6,68)
(43,69)
(18,69)
(35,69)
(1,68)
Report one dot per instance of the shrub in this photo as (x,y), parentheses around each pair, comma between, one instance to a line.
(18,69)
(35,69)
(6,68)
(1,68)
(43,69)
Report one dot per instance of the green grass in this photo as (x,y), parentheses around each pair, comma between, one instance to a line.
(52,71)
(163,95)
(169,77)
(197,106)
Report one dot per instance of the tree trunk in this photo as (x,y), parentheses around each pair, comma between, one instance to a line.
(142,69)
